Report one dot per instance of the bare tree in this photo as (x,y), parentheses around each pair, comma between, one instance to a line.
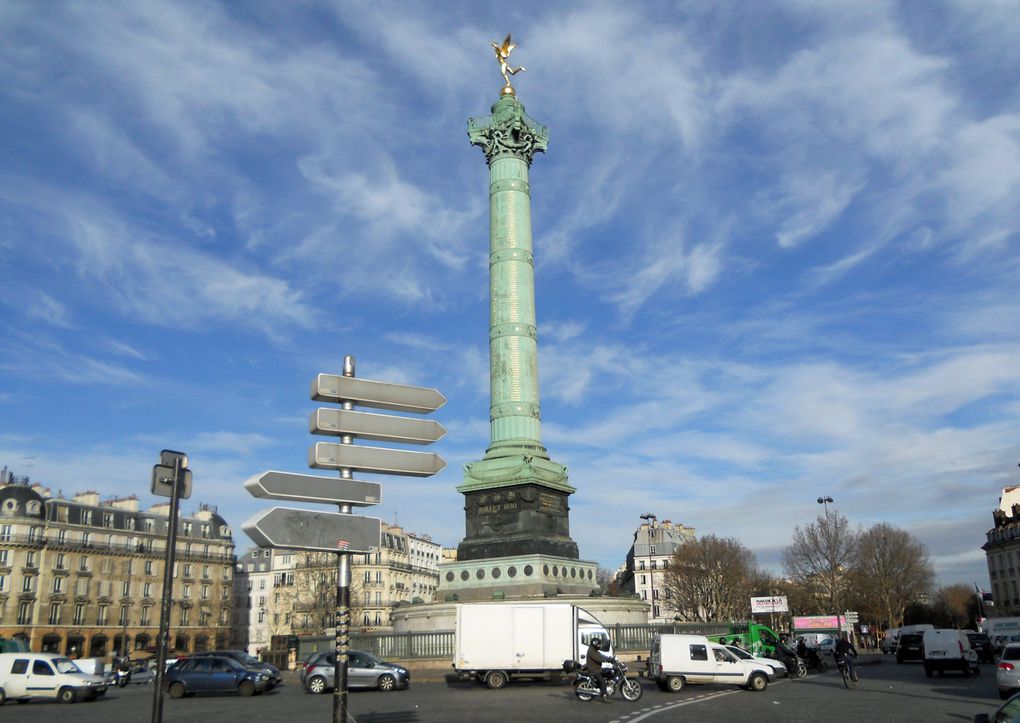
(957,605)
(820,556)
(709,579)
(313,597)
(891,570)
(607,582)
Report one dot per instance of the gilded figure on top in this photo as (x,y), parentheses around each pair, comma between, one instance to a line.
(503,55)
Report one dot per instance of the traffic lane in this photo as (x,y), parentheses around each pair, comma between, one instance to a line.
(885,693)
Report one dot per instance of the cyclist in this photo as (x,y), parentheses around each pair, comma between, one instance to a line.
(844,650)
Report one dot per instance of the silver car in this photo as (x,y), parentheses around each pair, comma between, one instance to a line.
(363,671)
(1007,672)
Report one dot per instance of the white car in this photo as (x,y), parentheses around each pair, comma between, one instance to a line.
(1007,672)
(826,646)
(24,676)
(777,667)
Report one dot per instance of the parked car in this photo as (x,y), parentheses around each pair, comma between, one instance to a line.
(909,647)
(24,676)
(778,668)
(945,649)
(248,661)
(827,646)
(214,675)
(363,671)
(1008,712)
(1007,672)
(982,645)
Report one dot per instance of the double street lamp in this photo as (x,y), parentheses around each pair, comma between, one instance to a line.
(824,501)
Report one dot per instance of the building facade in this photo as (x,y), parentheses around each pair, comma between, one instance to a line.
(1002,555)
(84,577)
(648,560)
(285,592)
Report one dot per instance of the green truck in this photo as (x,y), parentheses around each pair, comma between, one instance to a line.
(753,637)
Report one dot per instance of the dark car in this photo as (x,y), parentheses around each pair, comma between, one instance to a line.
(982,645)
(909,647)
(213,675)
(248,661)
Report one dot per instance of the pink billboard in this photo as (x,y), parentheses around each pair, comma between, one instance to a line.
(816,622)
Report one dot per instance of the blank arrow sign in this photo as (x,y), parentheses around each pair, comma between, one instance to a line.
(309,488)
(378,395)
(327,455)
(295,529)
(380,427)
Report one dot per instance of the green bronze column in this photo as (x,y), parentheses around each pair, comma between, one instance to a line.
(515,496)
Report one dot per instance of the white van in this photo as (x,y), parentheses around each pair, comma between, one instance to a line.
(676,660)
(948,650)
(24,676)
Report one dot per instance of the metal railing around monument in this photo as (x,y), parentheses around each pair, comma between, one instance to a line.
(440,643)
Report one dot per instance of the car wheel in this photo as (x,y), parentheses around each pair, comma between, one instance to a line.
(387,682)
(674,683)
(758,682)
(3,696)
(66,695)
(177,690)
(246,688)
(927,670)
(496,679)
(317,684)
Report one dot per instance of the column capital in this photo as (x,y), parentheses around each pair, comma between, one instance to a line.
(508,132)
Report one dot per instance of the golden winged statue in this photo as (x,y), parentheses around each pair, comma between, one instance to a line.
(503,55)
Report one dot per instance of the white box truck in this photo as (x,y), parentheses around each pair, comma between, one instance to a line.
(495,642)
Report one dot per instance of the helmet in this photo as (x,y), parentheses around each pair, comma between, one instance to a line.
(596,643)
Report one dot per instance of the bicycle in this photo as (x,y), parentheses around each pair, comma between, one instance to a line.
(849,679)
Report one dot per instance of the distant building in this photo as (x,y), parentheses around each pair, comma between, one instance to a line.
(285,592)
(84,577)
(648,559)
(1002,554)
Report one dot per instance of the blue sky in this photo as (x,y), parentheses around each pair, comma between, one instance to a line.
(776,246)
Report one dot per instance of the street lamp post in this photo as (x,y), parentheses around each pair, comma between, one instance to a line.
(824,502)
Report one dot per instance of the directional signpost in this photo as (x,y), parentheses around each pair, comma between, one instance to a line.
(343,532)
(314,531)
(309,488)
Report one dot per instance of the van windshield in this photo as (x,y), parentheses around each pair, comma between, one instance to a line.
(65,665)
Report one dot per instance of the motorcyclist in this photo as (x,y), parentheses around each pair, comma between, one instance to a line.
(845,650)
(123,672)
(593,661)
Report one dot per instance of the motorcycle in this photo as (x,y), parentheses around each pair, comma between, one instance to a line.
(795,667)
(813,659)
(586,687)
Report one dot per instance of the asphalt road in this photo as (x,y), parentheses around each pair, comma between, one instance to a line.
(887,692)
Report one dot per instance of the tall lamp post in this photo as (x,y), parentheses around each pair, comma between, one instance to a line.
(824,502)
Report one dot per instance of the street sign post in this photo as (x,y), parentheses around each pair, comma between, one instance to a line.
(163,481)
(310,488)
(298,529)
(378,427)
(342,532)
(378,395)
(378,460)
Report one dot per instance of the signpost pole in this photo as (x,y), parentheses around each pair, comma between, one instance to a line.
(168,581)
(343,587)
